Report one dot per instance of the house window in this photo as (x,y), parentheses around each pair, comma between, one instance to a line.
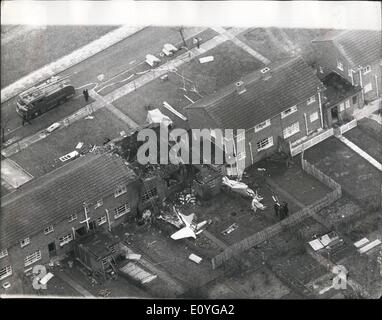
(264,144)
(354,99)
(25,242)
(289,111)
(48,230)
(120,211)
(32,258)
(5,272)
(149,193)
(342,106)
(3,253)
(367,69)
(314,116)
(72,217)
(368,87)
(104,261)
(350,73)
(311,100)
(262,125)
(119,191)
(102,220)
(291,130)
(113,248)
(98,204)
(340,65)
(65,239)
(347,104)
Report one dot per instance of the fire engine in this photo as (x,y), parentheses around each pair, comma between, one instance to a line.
(48,95)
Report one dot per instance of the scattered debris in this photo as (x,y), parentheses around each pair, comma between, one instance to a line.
(6,285)
(44,280)
(169,107)
(170,48)
(53,127)
(157,117)
(104,292)
(206,59)
(146,214)
(79,145)
(361,242)
(370,246)
(324,241)
(89,117)
(152,60)
(164,77)
(69,156)
(134,271)
(195,258)
(133,256)
(230,229)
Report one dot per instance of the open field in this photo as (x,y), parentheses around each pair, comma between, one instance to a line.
(40,45)
(43,156)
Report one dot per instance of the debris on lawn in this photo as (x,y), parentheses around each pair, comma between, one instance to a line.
(206,59)
(152,60)
(53,127)
(230,229)
(195,258)
(79,145)
(325,241)
(136,272)
(89,117)
(69,156)
(369,246)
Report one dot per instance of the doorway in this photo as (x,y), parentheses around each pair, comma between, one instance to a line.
(52,249)
(334,114)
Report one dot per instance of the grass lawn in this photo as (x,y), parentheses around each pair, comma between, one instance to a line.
(363,138)
(358,178)
(43,156)
(24,49)
(229,65)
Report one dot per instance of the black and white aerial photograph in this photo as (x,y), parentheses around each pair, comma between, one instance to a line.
(191,150)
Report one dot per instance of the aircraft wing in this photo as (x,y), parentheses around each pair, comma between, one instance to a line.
(185,232)
(187,219)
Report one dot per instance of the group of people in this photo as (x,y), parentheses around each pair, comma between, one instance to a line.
(281,210)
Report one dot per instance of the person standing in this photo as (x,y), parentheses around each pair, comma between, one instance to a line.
(276,207)
(86,94)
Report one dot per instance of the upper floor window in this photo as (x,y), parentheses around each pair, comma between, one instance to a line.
(340,65)
(366,69)
(72,217)
(311,100)
(368,87)
(98,204)
(25,242)
(48,230)
(262,125)
(289,111)
(314,116)
(119,191)
(3,253)
(350,72)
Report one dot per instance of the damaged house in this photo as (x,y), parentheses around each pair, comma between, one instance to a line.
(349,64)
(277,106)
(41,219)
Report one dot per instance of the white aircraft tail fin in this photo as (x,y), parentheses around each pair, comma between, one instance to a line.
(185,232)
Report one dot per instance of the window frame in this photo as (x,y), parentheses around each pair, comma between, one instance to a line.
(315,114)
(347,104)
(101,220)
(34,257)
(98,204)
(8,272)
(149,193)
(265,147)
(311,100)
(50,229)
(291,133)
(118,214)
(120,190)
(262,125)
(369,85)
(27,239)
(288,111)
(366,69)
(340,65)
(72,217)
(64,240)
(3,253)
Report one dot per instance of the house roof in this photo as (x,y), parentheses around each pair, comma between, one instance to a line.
(287,83)
(55,196)
(359,47)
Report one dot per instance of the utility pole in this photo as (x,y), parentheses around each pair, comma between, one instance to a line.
(182,36)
